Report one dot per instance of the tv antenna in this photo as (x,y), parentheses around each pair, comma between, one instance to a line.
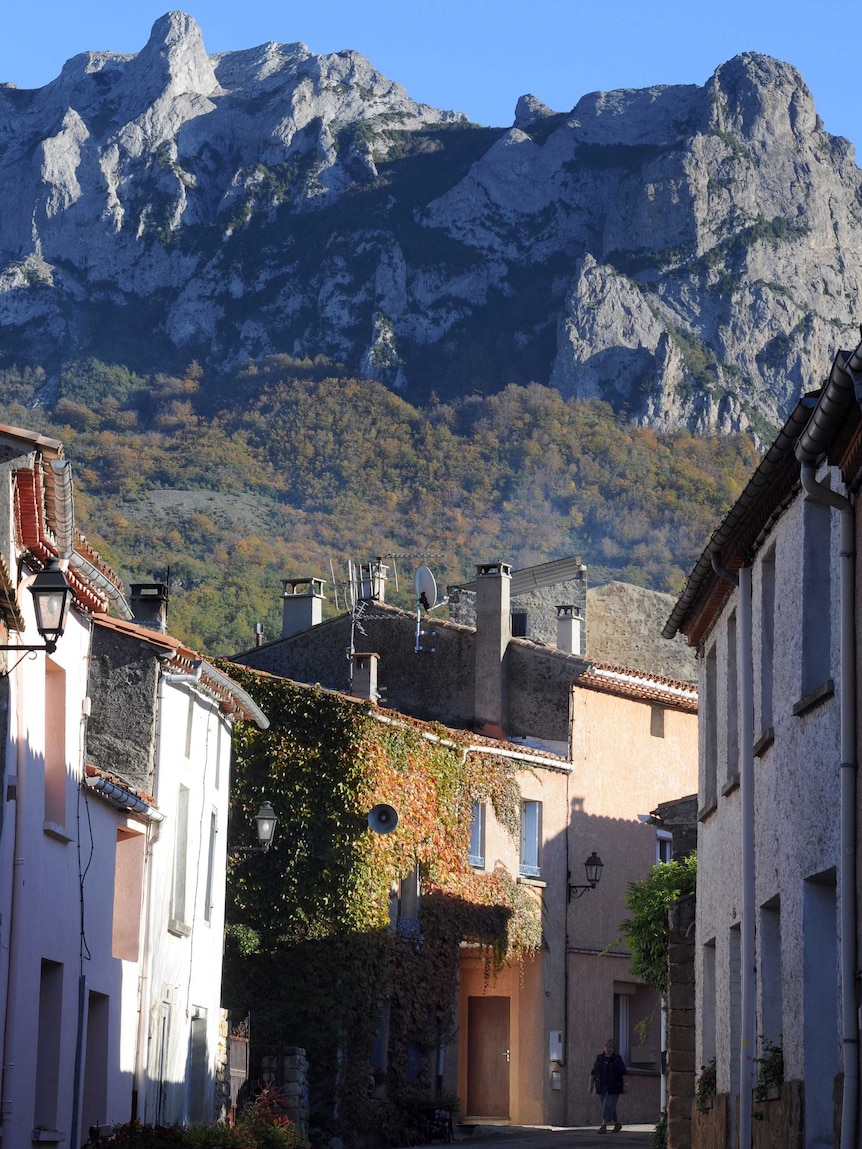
(426,599)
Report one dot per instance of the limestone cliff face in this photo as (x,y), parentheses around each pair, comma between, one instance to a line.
(693,255)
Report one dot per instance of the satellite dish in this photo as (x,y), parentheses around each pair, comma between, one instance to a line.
(426,588)
(382,818)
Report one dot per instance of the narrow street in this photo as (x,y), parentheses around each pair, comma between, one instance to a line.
(551,1137)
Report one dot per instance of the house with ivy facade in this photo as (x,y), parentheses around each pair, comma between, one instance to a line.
(586,747)
(114,750)
(772,607)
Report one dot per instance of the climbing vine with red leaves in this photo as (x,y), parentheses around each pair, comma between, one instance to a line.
(310,952)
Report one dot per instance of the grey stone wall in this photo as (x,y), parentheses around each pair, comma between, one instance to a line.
(296,1086)
(122,726)
(539,605)
(681,1024)
(540,685)
(435,685)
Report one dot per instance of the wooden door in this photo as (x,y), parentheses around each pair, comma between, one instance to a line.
(488,1057)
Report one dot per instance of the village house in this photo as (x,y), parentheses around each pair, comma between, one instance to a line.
(600,745)
(114,800)
(772,608)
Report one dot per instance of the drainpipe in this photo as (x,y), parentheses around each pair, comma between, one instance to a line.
(8,1088)
(748,1051)
(823,493)
(748,960)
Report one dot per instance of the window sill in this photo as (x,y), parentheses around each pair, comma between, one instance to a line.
(705,811)
(59,832)
(178,929)
(764,742)
(814,698)
(730,785)
(477,862)
(524,880)
(51,1135)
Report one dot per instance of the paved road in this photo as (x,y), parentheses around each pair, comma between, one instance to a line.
(550,1137)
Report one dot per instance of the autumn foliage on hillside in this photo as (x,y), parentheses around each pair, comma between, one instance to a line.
(290,468)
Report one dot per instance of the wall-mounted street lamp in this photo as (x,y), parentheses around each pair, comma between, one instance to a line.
(265,821)
(52,597)
(593,866)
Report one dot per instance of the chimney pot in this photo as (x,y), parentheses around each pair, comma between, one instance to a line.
(493,631)
(302,604)
(364,684)
(569,628)
(149,603)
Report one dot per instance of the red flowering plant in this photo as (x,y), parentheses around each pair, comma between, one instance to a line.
(261,1124)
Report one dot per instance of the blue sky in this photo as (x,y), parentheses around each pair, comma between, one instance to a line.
(479,56)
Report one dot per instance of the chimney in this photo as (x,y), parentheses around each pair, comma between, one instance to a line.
(149,603)
(364,682)
(371,578)
(493,631)
(302,604)
(569,628)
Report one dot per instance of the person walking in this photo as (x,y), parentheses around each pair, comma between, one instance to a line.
(607,1078)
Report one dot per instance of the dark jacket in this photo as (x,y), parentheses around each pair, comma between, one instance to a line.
(611,1081)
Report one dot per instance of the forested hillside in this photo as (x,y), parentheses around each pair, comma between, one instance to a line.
(234,483)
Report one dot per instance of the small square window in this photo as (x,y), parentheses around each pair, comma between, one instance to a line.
(519,624)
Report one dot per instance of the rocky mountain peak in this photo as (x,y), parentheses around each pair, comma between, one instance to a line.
(529,110)
(174,57)
(762,100)
(692,255)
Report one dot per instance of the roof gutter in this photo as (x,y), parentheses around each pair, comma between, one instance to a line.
(123,799)
(726,532)
(64,535)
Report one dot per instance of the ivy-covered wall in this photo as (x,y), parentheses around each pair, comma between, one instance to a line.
(311,954)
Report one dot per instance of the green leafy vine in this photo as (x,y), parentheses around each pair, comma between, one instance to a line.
(311,954)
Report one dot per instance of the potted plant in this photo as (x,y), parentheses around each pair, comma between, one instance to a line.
(704,1086)
(770,1070)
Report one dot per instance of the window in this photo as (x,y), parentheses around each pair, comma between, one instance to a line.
(731,773)
(769,936)
(656,721)
(94,1103)
(637,1025)
(663,846)
(208,890)
(48,1045)
(181,843)
(162,1082)
(198,1066)
(710,734)
(55,744)
(708,1013)
(476,856)
(735,995)
(531,839)
(767,639)
(621,1022)
(519,624)
(190,724)
(220,750)
(128,894)
(816,596)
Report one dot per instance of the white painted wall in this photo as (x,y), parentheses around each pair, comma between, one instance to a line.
(184,969)
(796,795)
